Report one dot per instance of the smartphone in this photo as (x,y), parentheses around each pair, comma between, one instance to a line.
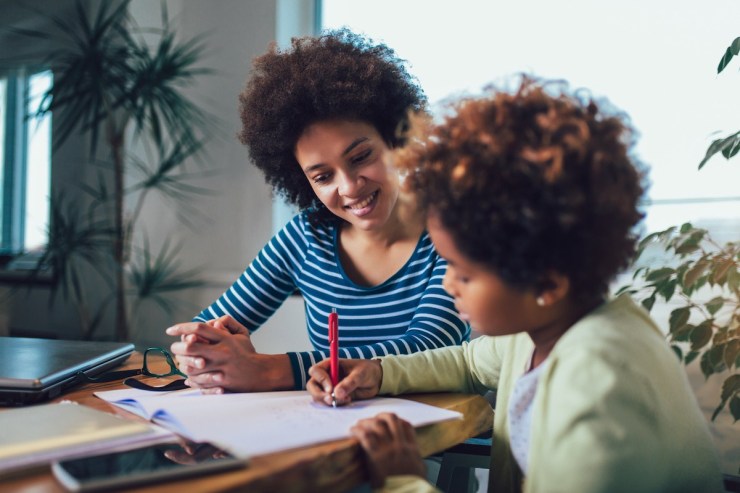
(143,465)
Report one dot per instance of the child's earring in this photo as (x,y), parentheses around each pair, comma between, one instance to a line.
(540,301)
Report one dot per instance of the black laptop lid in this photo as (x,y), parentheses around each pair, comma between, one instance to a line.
(30,364)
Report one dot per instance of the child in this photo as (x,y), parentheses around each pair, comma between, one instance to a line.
(532,200)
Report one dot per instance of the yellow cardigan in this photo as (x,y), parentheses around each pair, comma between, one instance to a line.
(613,411)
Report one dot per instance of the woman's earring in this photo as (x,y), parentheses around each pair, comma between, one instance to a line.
(540,301)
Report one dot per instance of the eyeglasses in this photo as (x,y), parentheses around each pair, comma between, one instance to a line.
(158,363)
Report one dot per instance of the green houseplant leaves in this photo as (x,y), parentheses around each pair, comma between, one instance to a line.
(728,146)
(703,283)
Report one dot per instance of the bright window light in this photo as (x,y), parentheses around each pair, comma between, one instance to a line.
(38,166)
(655,60)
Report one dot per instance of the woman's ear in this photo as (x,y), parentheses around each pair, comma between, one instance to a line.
(552,288)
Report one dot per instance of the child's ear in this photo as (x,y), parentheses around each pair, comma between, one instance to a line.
(552,288)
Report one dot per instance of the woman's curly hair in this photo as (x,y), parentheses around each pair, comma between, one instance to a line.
(531,182)
(337,75)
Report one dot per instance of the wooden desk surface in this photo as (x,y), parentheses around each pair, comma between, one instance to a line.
(328,467)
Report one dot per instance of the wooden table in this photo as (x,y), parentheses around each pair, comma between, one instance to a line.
(328,467)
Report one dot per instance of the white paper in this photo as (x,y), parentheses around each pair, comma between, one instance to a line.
(259,423)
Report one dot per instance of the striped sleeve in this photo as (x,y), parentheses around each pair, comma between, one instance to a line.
(266,283)
(435,324)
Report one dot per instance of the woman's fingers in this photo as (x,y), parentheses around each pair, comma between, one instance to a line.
(229,324)
(206,379)
(200,330)
(213,390)
(192,363)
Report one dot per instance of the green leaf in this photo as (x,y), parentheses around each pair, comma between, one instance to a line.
(715,357)
(732,351)
(660,274)
(735,408)
(690,245)
(625,289)
(695,273)
(730,389)
(714,305)
(701,335)
(730,52)
(682,334)
(685,228)
(706,366)
(678,318)
(732,149)
(690,356)
(719,146)
(649,302)
(721,270)
(678,351)
(733,278)
(700,283)
(666,289)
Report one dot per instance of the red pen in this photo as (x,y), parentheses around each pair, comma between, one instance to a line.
(334,351)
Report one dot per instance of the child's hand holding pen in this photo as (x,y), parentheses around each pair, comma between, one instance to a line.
(360,379)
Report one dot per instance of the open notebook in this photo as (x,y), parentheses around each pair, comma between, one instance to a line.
(260,423)
(40,434)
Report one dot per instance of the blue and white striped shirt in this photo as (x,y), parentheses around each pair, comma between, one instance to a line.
(409,312)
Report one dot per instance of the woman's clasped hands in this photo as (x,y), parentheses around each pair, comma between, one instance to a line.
(218,356)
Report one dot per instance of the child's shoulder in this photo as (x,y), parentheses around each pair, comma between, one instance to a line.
(618,323)
(618,337)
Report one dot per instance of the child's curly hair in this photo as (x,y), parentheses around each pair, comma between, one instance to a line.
(337,75)
(531,182)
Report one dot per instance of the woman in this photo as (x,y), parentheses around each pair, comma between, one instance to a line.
(532,198)
(319,120)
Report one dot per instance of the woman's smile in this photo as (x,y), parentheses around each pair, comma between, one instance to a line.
(364,206)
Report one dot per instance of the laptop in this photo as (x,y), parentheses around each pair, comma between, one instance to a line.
(35,370)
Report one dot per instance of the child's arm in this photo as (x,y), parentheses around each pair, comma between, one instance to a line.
(473,367)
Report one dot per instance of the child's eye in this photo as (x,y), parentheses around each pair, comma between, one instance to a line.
(463,279)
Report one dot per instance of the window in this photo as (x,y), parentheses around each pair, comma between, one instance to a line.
(25,162)
(654,60)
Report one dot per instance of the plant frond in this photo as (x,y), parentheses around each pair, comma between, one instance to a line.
(155,278)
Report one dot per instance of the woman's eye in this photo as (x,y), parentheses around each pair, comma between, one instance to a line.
(321,178)
(359,158)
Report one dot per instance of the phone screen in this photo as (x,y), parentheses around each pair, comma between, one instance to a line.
(142,465)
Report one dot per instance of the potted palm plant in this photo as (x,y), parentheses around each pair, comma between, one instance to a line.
(123,87)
